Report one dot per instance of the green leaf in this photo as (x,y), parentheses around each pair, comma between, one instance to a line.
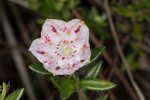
(66,92)
(96,53)
(4,91)
(66,86)
(56,81)
(103,97)
(38,68)
(93,72)
(16,95)
(96,84)
(129,11)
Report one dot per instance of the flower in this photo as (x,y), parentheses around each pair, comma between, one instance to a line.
(63,47)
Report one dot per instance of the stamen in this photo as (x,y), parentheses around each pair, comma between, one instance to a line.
(76,39)
(51,57)
(57,33)
(66,42)
(68,32)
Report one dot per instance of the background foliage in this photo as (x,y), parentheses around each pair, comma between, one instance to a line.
(131,19)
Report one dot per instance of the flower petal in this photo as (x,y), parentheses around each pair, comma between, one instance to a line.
(40,50)
(52,28)
(79,29)
(63,47)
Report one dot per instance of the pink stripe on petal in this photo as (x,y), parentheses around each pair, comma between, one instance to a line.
(57,68)
(53,28)
(41,52)
(78,29)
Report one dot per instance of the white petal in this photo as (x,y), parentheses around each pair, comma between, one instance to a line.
(40,50)
(48,52)
(53,28)
(73,23)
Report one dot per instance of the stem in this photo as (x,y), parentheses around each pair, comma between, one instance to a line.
(117,42)
(80,92)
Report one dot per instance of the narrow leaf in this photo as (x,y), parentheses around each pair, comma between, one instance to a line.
(96,53)
(38,68)
(93,72)
(56,82)
(16,95)
(4,91)
(96,84)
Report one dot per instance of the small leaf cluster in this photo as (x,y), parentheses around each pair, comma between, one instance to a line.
(15,95)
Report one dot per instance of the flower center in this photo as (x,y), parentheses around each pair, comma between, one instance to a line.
(66,50)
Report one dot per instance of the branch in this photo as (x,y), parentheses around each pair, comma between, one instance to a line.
(116,39)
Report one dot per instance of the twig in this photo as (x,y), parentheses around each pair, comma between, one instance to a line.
(15,53)
(115,37)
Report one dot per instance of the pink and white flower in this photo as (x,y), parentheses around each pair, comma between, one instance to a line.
(63,47)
